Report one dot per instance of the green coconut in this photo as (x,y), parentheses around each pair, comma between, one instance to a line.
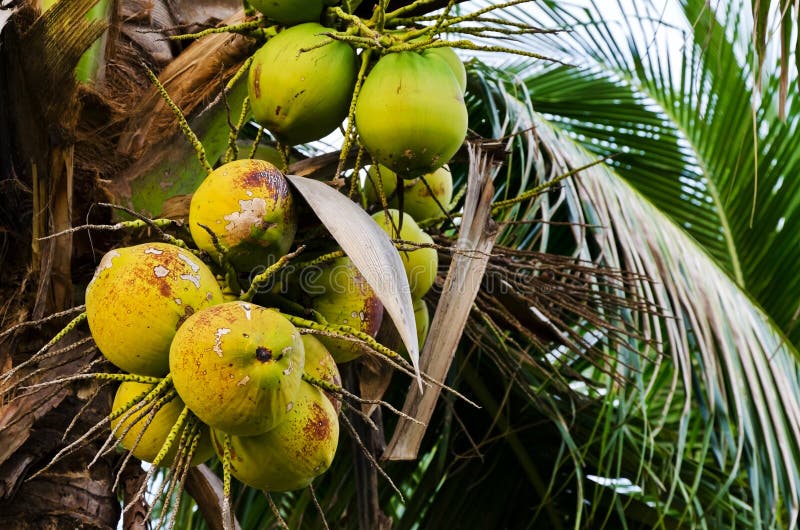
(138,298)
(424,197)
(420,264)
(301,82)
(237,366)
(410,113)
(291,455)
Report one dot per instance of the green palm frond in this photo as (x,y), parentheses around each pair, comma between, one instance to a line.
(699,427)
(677,107)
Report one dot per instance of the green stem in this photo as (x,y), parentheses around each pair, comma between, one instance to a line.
(182,123)
(245,28)
(173,433)
(350,131)
(262,278)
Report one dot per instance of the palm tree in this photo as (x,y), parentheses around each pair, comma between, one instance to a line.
(632,349)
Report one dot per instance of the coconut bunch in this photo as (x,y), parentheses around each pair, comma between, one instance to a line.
(226,342)
(216,350)
(205,365)
(403,102)
(216,353)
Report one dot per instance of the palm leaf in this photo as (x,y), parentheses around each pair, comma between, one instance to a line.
(690,132)
(694,437)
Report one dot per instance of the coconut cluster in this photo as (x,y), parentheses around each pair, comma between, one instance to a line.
(254,384)
(184,319)
(158,310)
(409,113)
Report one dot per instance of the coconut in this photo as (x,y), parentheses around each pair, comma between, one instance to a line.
(410,114)
(237,366)
(301,82)
(424,197)
(138,298)
(292,454)
(248,207)
(341,294)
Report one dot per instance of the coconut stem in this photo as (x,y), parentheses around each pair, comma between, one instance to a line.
(256,142)
(354,180)
(341,391)
(177,472)
(263,277)
(244,28)
(325,258)
(231,278)
(227,514)
(233,150)
(350,131)
(75,322)
(155,224)
(41,321)
(275,511)
(141,415)
(352,430)
(49,355)
(357,22)
(319,508)
(499,205)
(171,436)
(347,332)
(182,123)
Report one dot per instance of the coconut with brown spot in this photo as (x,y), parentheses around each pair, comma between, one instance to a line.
(237,366)
(341,294)
(291,455)
(321,365)
(139,296)
(156,428)
(248,206)
(301,82)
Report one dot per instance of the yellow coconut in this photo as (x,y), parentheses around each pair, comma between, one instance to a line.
(291,455)
(137,299)
(237,366)
(152,431)
(248,207)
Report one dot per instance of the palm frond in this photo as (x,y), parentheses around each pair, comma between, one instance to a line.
(699,427)
(675,101)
